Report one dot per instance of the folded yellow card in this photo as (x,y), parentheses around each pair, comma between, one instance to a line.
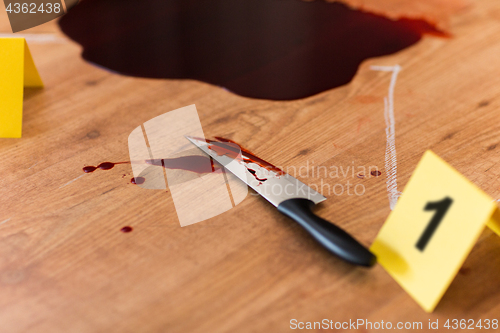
(17,71)
(432,229)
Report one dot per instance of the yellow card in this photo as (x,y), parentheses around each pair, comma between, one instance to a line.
(432,229)
(17,71)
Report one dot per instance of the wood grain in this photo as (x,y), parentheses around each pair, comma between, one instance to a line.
(66,267)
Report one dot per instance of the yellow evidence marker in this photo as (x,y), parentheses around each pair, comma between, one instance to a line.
(17,70)
(432,229)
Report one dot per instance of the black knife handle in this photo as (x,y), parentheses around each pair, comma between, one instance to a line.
(334,239)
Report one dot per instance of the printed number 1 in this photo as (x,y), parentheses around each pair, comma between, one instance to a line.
(441,207)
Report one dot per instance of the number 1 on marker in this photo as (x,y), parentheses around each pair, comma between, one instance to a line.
(441,207)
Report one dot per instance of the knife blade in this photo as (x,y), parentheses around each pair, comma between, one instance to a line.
(292,197)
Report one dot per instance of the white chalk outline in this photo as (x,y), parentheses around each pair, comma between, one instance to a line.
(71,181)
(39,38)
(5,221)
(391,163)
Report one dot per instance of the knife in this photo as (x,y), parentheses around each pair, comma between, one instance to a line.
(292,197)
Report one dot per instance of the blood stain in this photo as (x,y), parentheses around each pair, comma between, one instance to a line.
(194,163)
(223,147)
(375,173)
(138,180)
(102,166)
(254,173)
(198,163)
(126,229)
(270,49)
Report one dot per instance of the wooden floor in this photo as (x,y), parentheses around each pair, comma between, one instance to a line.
(66,267)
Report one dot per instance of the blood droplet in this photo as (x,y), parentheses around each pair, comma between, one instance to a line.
(138,180)
(126,229)
(102,166)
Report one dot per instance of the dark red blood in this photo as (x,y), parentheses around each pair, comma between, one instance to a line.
(106,165)
(253,172)
(89,169)
(272,49)
(202,164)
(138,180)
(194,163)
(126,229)
(232,149)
(102,166)
(375,173)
